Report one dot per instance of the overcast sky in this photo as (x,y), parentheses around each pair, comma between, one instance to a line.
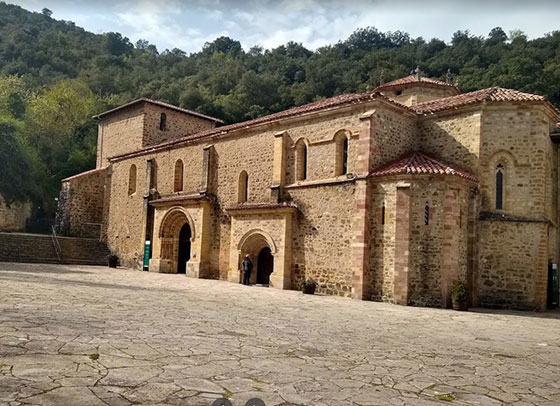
(188,24)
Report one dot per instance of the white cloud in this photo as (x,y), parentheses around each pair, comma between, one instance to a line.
(188,24)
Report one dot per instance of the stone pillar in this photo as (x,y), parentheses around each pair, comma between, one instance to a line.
(281,278)
(541,269)
(206,184)
(450,272)
(472,246)
(362,199)
(402,245)
(147,220)
(279,166)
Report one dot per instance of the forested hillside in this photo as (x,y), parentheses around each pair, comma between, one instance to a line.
(54,76)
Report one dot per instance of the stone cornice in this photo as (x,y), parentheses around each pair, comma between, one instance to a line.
(193,198)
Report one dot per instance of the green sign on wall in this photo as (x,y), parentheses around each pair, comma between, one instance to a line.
(147,256)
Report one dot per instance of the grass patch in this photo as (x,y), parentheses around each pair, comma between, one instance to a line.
(257,380)
(228,394)
(448,397)
(3,364)
(94,356)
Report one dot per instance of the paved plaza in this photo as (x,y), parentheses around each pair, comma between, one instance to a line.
(88,336)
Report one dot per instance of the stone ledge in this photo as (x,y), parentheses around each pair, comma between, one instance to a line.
(323,182)
(496,216)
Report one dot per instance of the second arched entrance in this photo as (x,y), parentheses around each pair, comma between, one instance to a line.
(261,249)
(184,253)
(265,266)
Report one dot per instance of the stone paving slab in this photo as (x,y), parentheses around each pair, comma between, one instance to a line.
(78,335)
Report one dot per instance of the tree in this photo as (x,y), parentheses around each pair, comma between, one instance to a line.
(46,12)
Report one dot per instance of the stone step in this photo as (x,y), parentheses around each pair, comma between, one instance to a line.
(39,248)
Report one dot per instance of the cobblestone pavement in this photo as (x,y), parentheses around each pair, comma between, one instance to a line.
(77,335)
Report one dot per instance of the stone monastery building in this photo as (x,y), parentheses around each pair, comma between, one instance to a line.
(391,195)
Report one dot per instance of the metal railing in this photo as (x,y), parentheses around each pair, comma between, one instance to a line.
(56,244)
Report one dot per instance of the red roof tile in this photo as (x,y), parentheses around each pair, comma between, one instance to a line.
(161,104)
(492,94)
(86,173)
(337,101)
(418,163)
(412,79)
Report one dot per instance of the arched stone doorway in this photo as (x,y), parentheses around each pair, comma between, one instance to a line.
(265,266)
(261,250)
(176,235)
(184,248)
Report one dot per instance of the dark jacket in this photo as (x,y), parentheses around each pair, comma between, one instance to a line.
(247,265)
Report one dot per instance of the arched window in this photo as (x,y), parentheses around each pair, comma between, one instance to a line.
(301,160)
(341,161)
(383,214)
(132,180)
(499,187)
(243,187)
(162,121)
(427,214)
(178,182)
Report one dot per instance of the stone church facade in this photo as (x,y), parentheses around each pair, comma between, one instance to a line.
(391,195)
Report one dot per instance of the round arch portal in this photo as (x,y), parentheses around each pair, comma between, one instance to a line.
(260,247)
(176,235)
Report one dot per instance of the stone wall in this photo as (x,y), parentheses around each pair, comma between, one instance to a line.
(427,258)
(518,139)
(14,216)
(119,133)
(322,237)
(383,240)
(177,124)
(80,209)
(138,126)
(453,138)
(394,134)
(417,94)
(513,265)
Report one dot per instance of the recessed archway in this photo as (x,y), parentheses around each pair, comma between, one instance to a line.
(261,249)
(176,234)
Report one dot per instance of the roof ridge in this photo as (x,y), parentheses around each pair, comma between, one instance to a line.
(158,103)
(421,163)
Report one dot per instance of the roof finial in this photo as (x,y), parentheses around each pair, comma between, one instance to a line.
(382,77)
(448,76)
(417,72)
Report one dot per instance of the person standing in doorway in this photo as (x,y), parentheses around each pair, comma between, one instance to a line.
(247,267)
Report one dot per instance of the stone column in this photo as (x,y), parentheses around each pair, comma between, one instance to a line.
(206,184)
(402,245)
(281,278)
(279,166)
(361,226)
(450,272)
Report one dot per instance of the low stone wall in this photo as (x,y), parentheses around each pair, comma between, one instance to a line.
(80,205)
(14,216)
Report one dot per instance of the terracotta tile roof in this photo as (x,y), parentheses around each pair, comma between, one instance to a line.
(86,173)
(159,103)
(492,94)
(411,79)
(337,101)
(418,163)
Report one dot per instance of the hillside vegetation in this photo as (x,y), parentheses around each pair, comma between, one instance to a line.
(54,76)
